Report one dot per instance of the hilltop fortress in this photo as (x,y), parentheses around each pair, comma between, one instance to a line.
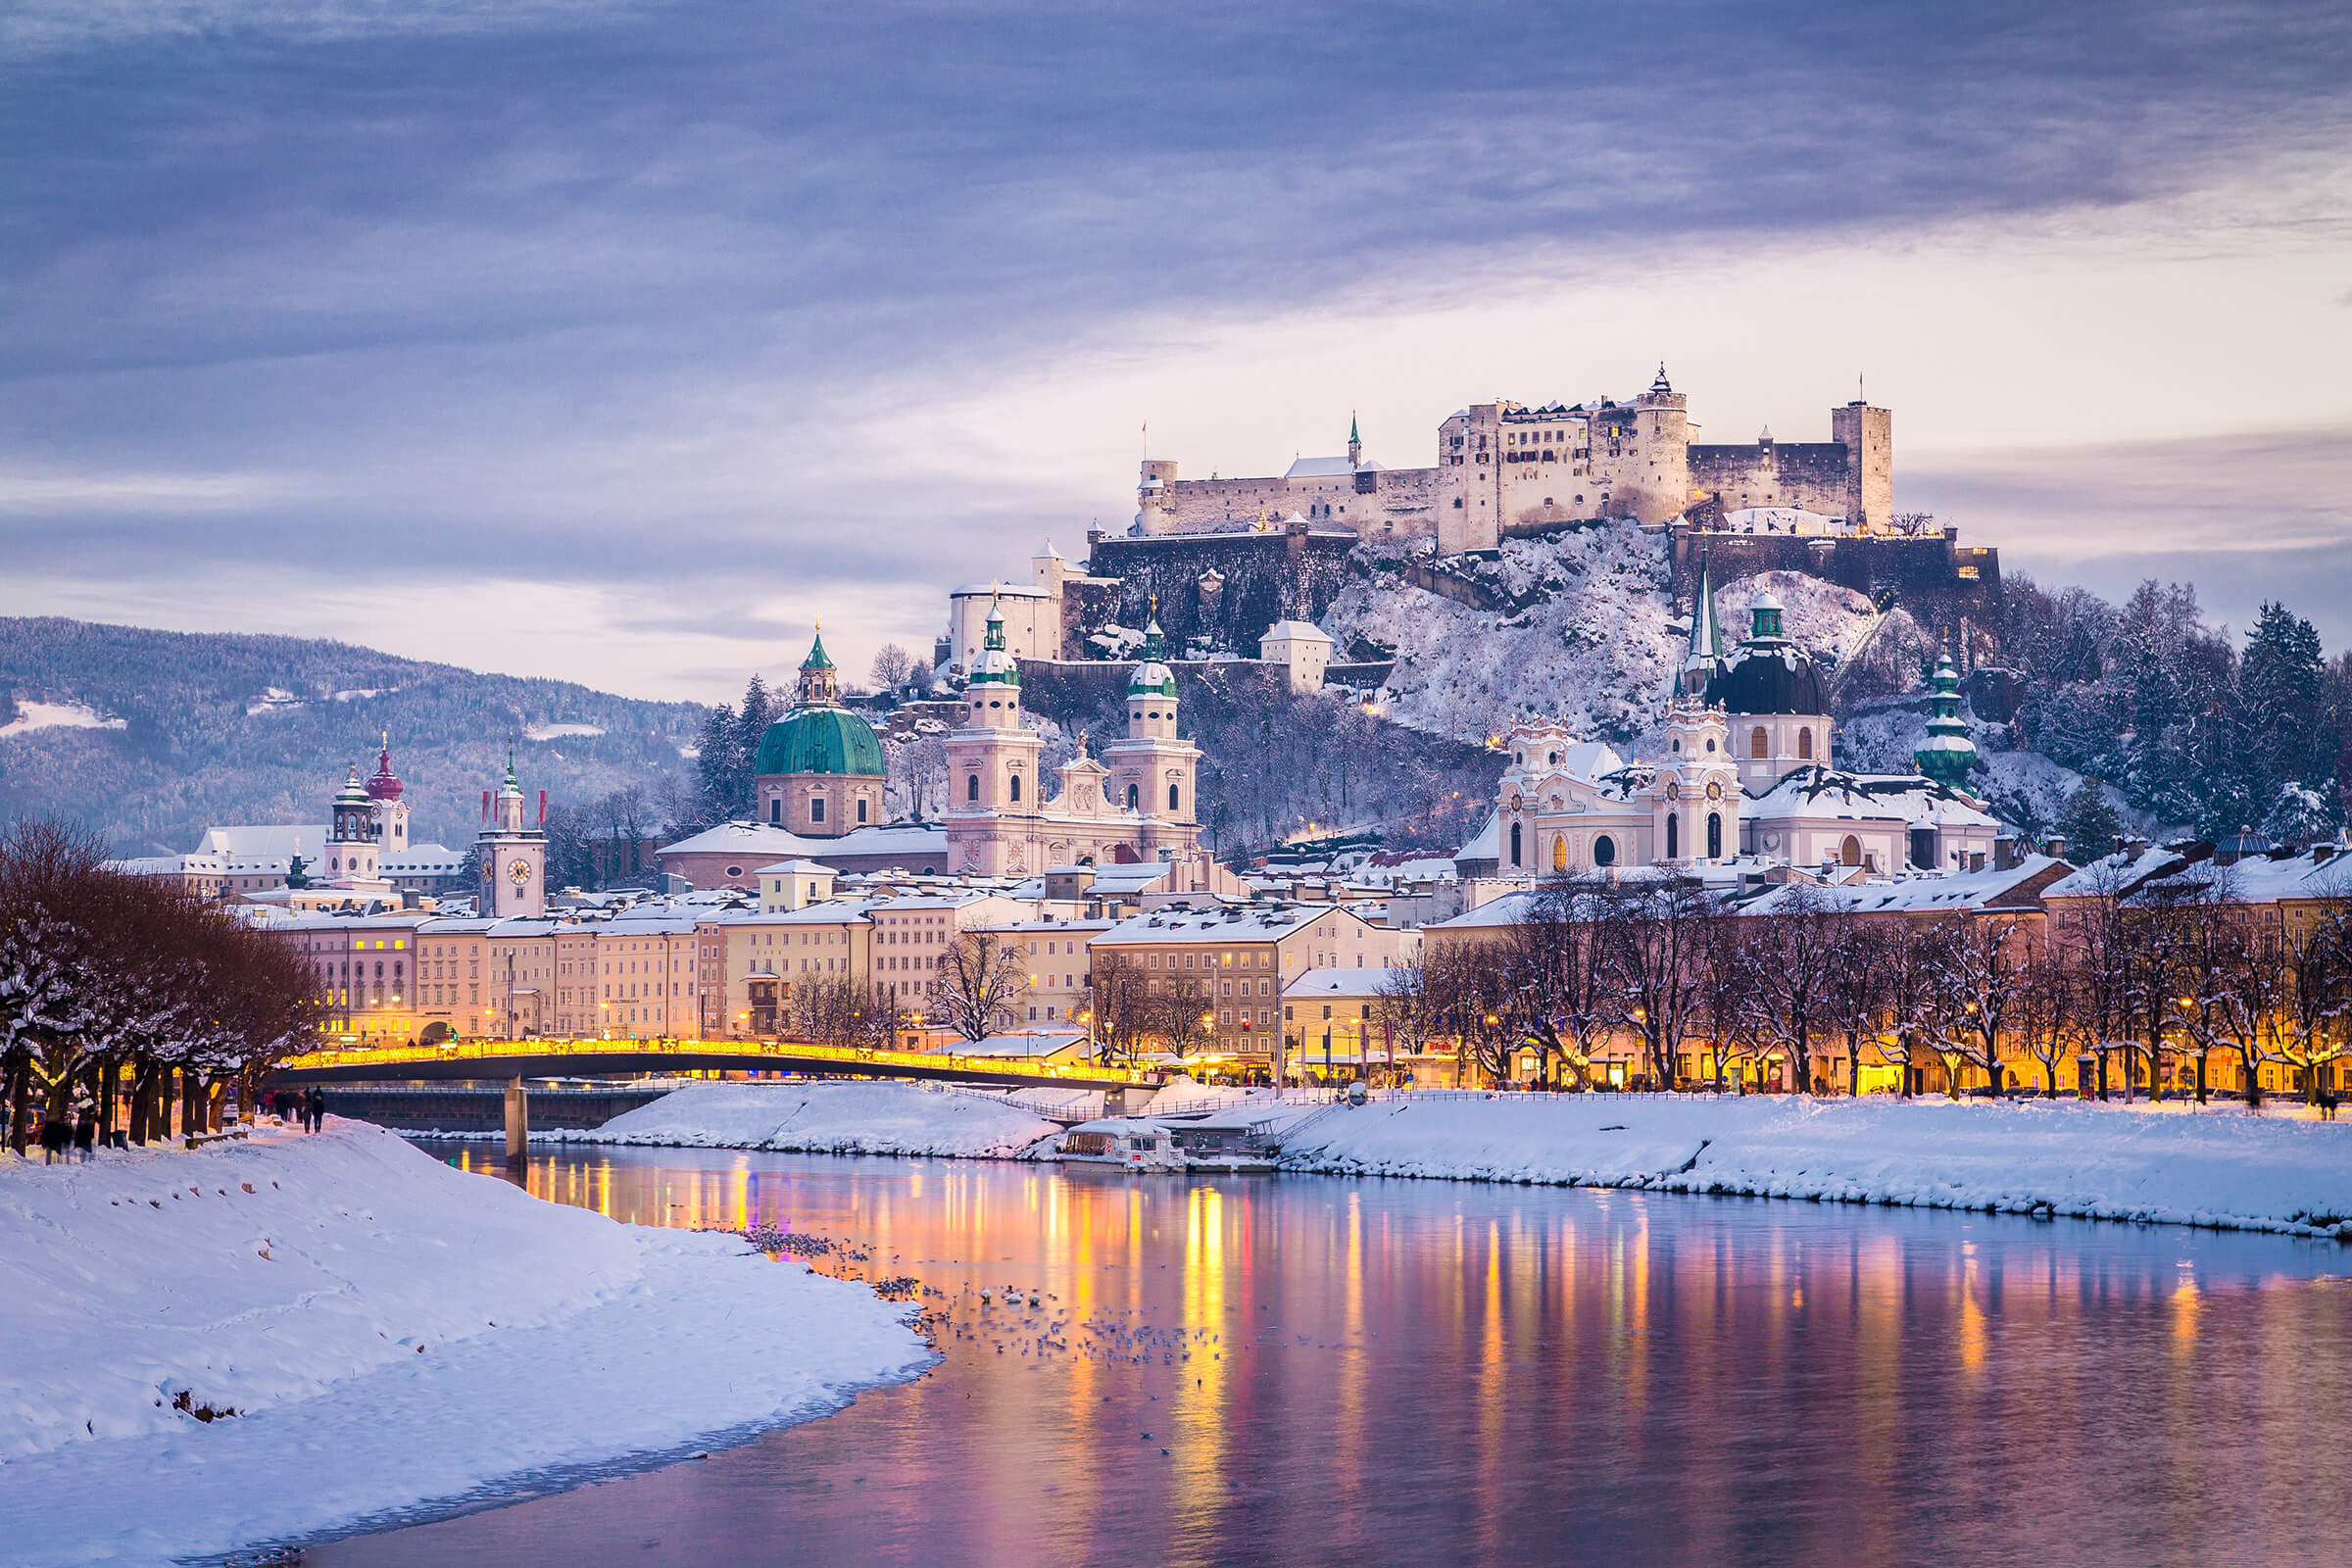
(1505,469)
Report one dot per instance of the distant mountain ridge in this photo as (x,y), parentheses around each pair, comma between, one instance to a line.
(150,737)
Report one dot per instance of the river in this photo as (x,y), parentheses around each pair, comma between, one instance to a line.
(1317,1370)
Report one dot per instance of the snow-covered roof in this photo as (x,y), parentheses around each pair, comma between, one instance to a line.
(1948,893)
(795,869)
(1238,923)
(272,841)
(1487,842)
(1819,792)
(997,590)
(760,840)
(1303,631)
(1339,983)
(1326,468)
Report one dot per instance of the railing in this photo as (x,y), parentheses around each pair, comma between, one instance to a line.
(878,1061)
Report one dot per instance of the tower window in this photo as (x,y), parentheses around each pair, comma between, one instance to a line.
(1755,741)
(971,788)
(1017,786)
(1131,796)
(1804,744)
(1171,796)
(775,810)
(1515,860)
(1674,838)
(1714,835)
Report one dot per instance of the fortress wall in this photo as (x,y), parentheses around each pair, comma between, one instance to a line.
(1267,578)
(1401,504)
(1810,475)
(1933,577)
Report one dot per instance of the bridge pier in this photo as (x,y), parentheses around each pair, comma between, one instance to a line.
(518,1121)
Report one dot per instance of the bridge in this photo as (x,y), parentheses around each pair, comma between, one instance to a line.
(514,1060)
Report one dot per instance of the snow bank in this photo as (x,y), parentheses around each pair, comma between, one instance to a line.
(2065,1158)
(827,1118)
(395,1336)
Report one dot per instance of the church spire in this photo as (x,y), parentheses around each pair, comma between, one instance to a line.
(820,682)
(1703,659)
(1356,444)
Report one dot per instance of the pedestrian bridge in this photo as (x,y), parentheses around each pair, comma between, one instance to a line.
(611,1058)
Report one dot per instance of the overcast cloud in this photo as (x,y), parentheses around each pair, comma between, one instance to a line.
(617,342)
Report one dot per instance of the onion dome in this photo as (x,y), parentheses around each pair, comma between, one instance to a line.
(994,666)
(1153,677)
(385,784)
(1947,755)
(1768,673)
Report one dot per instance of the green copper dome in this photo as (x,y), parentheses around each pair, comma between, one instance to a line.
(820,740)
(1152,679)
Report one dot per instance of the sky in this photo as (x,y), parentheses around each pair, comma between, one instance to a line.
(621,342)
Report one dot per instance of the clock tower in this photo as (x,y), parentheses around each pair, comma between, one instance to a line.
(513,857)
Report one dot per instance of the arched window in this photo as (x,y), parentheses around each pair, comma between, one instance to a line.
(971,788)
(1851,851)
(1804,744)
(775,810)
(1559,854)
(1755,741)
(1131,796)
(1674,838)
(1515,858)
(1714,835)
(1171,796)
(1017,786)
(1605,851)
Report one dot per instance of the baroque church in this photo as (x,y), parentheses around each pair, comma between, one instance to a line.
(1746,775)
(1134,804)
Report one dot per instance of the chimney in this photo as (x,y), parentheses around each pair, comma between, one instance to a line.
(2054,846)
(2004,852)
(2135,847)
(1976,859)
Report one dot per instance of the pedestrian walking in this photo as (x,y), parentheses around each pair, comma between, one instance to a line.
(86,1134)
(316,1105)
(55,1137)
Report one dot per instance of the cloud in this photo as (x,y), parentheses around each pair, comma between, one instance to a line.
(678,309)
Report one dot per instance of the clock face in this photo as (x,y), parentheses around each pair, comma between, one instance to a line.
(518,873)
(1714,790)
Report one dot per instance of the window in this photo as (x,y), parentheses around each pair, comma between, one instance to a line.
(1804,744)
(1559,854)
(1515,860)
(1605,851)
(1017,786)
(861,809)
(1755,741)
(971,788)
(775,810)
(1674,837)
(1850,851)
(1714,835)
(1131,796)
(1172,798)
(816,808)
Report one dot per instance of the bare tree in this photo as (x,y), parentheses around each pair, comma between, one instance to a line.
(979,976)
(1659,934)
(1561,985)
(893,667)
(1115,996)
(1853,994)
(2313,1028)
(1983,961)
(2047,1018)
(1407,1012)
(1180,1012)
(1475,1007)
(1797,949)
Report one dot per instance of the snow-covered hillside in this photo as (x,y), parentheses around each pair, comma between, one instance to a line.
(1597,643)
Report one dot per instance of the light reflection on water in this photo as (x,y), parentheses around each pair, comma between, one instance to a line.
(1436,1372)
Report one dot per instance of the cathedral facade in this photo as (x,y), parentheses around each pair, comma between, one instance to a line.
(1136,803)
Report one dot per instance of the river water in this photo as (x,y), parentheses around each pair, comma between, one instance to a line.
(1317,1370)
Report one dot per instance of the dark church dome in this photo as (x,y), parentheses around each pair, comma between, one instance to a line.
(1769,680)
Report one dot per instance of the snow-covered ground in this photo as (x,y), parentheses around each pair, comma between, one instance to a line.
(550,732)
(825,1118)
(2065,1156)
(1597,646)
(58,715)
(395,1338)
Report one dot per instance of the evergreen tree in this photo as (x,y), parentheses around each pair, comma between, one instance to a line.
(717,764)
(2089,824)
(2279,686)
(758,710)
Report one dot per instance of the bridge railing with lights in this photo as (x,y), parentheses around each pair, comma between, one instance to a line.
(750,1053)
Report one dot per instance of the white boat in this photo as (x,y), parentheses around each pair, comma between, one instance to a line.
(1123,1144)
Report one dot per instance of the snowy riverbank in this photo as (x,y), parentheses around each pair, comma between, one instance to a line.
(2061,1158)
(825,1118)
(392,1334)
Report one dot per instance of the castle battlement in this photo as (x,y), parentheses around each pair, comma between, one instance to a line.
(1507,468)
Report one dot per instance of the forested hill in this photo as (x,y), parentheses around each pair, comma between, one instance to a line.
(150,737)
